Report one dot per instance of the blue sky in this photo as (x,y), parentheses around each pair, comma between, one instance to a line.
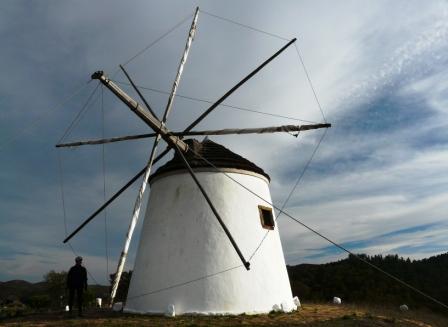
(378,183)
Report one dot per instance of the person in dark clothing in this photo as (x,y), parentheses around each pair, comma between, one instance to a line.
(76,282)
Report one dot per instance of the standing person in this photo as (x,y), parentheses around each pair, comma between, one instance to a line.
(76,282)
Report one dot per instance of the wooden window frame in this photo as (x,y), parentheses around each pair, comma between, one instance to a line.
(262,220)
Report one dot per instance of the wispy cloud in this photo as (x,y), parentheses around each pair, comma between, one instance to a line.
(422,237)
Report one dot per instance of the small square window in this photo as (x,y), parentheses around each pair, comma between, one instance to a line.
(266,217)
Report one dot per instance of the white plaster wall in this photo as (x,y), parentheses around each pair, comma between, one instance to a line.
(182,241)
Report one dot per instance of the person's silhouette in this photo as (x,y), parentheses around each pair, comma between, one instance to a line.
(76,282)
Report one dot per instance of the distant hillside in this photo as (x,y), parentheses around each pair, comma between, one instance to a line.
(356,282)
(22,290)
(18,289)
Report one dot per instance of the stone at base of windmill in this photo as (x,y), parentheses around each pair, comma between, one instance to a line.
(287,306)
(404,307)
(170,311)
(296,301)
(118,306)
(337,300)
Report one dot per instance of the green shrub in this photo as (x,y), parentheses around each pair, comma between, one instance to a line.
(39,301)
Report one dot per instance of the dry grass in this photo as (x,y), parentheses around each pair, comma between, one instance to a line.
(310,315)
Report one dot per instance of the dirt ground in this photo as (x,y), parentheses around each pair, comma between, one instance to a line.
(308,315)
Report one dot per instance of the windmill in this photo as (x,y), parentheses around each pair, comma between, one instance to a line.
(185,177)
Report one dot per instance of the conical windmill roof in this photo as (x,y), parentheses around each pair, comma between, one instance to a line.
(214,153)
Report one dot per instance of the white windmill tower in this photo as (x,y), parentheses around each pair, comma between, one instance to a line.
(182,241)
(207,212)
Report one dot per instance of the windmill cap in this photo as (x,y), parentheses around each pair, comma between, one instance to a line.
(207,152)
(78,259)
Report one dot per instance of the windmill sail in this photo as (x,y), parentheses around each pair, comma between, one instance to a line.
(138,201)
(226,131)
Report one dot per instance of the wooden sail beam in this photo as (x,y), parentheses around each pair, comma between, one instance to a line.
(138,201)
(228,131)
(233,89)
(113,197)
(259,130)
(144,114)
(138,91)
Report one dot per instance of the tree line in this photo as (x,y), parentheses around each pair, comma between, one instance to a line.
(356,282)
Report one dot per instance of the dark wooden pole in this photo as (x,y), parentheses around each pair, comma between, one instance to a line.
(233,89)
(138,91)
(113,197)
(212,207)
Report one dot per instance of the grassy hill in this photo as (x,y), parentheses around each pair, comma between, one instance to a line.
(317,315)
